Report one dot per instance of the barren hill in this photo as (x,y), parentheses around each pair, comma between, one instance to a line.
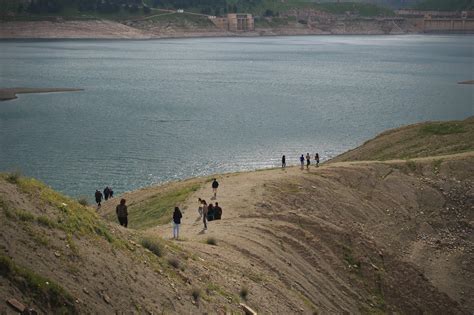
(368,237)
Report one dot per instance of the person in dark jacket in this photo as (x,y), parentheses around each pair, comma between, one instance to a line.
(283,161)
(210,212)
(316,158)
(217,212)
(98,197)
(215,185)
(106,193)
(204,214)
(176,222)
(122,213)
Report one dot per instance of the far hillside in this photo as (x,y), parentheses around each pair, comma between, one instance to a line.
(414,141)
(133,9)
(443,5)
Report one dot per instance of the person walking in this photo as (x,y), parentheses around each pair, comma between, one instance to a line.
(122,213)
(316,158)
(176,222)
(308,158)
(302,161)
(215,185)
(283,161)
(98,197)
(204,214)
(106,193)
(111,193)
(200,207)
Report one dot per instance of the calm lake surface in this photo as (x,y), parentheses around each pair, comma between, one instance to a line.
(154,111)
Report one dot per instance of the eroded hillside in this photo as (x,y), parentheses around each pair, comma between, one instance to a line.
(366,237)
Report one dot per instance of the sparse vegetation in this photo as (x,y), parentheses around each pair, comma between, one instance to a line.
(196,293)
(411,165)
(159,208)
(437,165)
(211,241)
(46,221)
(83,201)
(442,128)
(174,262)
(13,177)
(24,215)
(154,245)
(72,217)
(37,287)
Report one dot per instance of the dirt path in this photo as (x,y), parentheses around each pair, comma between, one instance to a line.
(288,229)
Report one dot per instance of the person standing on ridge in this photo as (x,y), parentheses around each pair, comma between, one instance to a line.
(302,161)
(283,161)
(106,193)
(200,207)
(204,214)
(308,158)
(111,193)
(176,222)
(98,197)
(316,158)
(215,185)
(217,212)
(122,213)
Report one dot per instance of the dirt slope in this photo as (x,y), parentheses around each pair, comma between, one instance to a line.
(366,237)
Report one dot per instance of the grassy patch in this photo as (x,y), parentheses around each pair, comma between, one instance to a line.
(72,217)
(154,245)
(158,209)
(46,221)
(13,177)
(41,289)
(6,209)
(23,215)
(442,128)
(83,201)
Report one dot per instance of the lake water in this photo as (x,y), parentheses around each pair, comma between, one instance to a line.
(160,110)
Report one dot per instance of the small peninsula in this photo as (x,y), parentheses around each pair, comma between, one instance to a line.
(10,93)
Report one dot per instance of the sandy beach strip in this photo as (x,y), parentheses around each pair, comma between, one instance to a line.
(10,93)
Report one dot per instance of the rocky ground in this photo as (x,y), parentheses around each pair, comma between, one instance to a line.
(353,237)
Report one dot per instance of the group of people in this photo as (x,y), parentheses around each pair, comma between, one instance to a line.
(108,193)
(207,212)
(302,159)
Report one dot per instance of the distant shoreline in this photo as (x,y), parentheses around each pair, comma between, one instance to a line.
(105,29)
(7,94)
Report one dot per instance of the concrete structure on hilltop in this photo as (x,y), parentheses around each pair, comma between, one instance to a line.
(234,22)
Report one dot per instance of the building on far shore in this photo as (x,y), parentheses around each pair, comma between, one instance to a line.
(235,22)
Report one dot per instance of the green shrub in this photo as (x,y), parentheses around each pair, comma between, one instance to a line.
(83,201)
(211,241)
(174,262)
(45,221)
(244,292)
(196,293)
(24,215)
(13,177)
(153,245)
